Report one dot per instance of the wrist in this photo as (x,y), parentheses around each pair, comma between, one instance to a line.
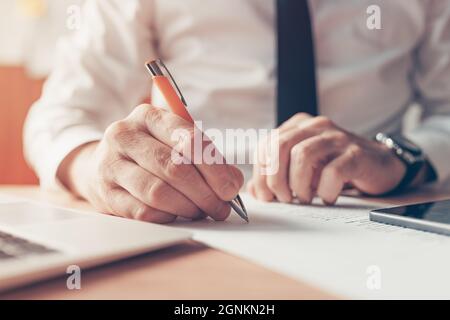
(397,168)
(418,169)
(74,171)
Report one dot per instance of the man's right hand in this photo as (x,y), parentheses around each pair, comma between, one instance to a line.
(130,172)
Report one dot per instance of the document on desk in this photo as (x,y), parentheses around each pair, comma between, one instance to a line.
(9,199)
(336,248)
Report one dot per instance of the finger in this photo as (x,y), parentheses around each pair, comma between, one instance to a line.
(153,191)
(123,204)
(178,133)
(262,191)
(317,124)
(295,121)
(337,173)
(157,158)
(307,160)
(251,188)
(278,182)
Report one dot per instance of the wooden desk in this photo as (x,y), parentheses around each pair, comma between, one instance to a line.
(187,271)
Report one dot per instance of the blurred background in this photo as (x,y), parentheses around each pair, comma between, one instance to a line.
(29,33)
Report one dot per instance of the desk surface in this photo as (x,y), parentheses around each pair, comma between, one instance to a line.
(187,271)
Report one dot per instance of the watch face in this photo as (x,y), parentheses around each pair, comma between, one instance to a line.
(407,145)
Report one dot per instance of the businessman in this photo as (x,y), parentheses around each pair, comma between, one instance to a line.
(336,89)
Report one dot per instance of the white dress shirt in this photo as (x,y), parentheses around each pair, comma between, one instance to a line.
(222,54)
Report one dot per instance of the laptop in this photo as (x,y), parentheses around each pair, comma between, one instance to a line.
(39,241)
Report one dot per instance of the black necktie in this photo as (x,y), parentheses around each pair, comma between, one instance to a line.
(296,67)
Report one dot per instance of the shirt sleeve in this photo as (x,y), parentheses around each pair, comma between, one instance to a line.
(432,80)
(98,77)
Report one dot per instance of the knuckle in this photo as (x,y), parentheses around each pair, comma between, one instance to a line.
(340,137)
(306,148)
(138,112)
(355,153)
(188,140)
(185,141)
(115,129)
(162,157)
(300,116)
(140,212)
(334,138)
(152,114)
(142,109)
(322,121)
(158,193)
(182,172)
(174,171)
(119,132)
(299,152)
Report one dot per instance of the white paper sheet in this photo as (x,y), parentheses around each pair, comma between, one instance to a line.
(336,248)
(9,199)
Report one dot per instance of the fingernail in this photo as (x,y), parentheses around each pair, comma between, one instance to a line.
(222,212)
(284,198)
(229,191)
(305,201)
(200,216)
(329,202)
(264,196)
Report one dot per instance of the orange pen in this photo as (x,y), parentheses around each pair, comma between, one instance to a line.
(177,104)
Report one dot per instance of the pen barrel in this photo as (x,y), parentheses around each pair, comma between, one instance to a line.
(171,97)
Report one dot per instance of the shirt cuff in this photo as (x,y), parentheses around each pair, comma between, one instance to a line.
(59,148)
(436,148)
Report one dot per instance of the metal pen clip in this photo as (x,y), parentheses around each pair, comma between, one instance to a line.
(155,66)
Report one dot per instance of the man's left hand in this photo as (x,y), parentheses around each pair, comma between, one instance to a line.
(316,157)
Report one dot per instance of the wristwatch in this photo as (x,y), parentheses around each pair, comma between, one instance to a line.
(410,154)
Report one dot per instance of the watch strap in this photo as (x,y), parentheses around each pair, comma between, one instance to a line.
(411,173)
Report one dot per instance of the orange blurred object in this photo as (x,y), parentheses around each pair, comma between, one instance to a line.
(17,94)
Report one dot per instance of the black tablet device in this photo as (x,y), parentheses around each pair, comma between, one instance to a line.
(430,216)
